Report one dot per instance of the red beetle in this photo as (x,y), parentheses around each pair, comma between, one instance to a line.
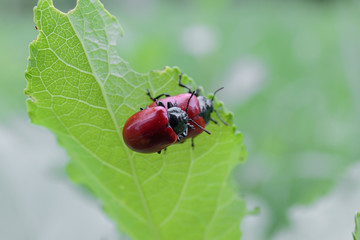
(206,105)
(155,128)
(199,108)
(182,102)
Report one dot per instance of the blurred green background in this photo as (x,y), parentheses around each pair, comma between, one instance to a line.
(291,72)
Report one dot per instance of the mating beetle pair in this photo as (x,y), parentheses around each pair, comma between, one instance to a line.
(168,120)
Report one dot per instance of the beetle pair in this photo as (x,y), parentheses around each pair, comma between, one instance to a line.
(167,121)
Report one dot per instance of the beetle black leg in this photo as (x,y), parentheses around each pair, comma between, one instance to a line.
(213,120)
(199,126)
(220,118)
(163,94)
(183,85)
(159,152)
(149,94)
(192,143)
(156,98)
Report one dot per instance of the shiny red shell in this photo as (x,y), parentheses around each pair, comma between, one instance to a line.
(148,131)
(193,111)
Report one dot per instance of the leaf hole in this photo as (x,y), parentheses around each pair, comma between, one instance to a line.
(65,5)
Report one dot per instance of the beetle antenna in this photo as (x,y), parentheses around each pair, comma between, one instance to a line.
(200,126)
(220,118)
(216,92)
(187,106)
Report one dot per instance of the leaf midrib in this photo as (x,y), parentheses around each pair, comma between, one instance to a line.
(130,156)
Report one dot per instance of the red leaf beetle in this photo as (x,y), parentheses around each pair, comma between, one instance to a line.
(181,101)
(200,108)
(206,105)
(155,128)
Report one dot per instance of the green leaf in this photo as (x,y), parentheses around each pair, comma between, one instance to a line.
(83,91)
(356,234)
